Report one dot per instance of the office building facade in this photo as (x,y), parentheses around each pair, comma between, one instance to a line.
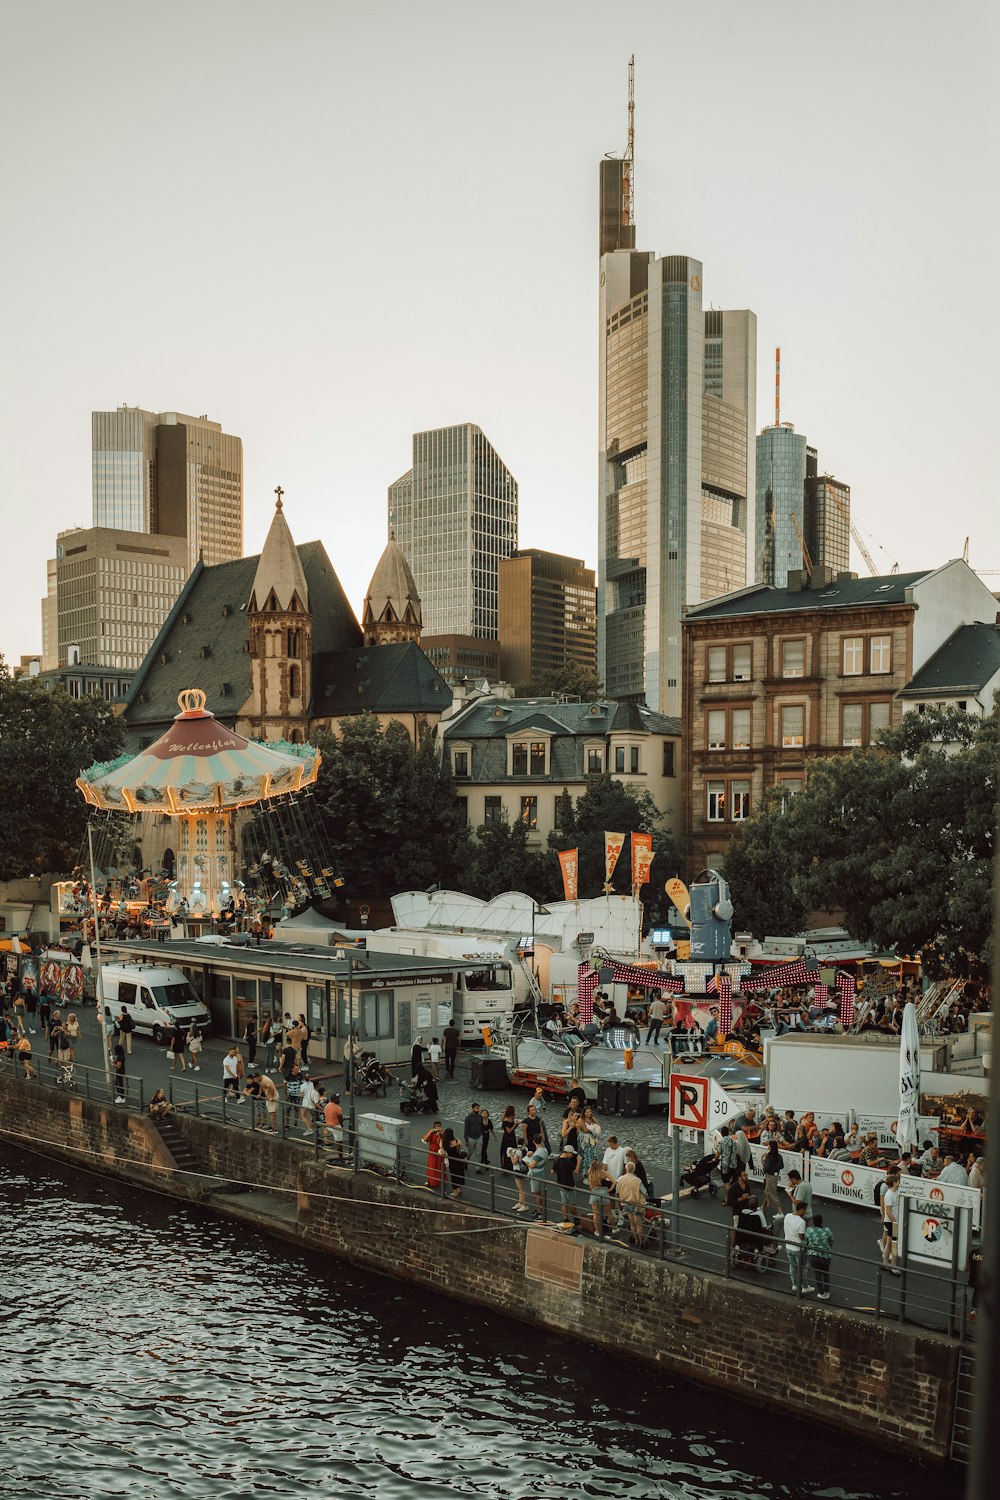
(677,408)
(169,474)
(796,504)
(454,514)
(114,589)
(548,615)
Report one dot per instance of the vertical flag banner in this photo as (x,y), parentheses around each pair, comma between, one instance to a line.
(845,989)
(642,858)
(613,845)
(679,895)
(586,984)
(909,1078)
(569,864)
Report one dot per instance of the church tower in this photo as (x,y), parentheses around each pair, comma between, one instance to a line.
(280,626)
(392,604)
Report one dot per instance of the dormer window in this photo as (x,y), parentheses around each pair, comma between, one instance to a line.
(528,758)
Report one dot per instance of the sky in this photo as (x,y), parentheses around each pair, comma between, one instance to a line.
(330,224)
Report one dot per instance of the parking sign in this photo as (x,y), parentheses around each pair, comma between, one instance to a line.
(689,1101)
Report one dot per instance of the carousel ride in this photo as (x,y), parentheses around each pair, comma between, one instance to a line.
(220,790)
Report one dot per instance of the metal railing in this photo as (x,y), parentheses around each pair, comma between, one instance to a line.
(76,1078)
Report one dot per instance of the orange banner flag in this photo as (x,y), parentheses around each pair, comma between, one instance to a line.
(569,864)
(642,858)
(614,843)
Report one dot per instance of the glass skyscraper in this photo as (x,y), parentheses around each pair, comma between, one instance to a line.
(169,474)
(781,488)
(454,514)
(677,405)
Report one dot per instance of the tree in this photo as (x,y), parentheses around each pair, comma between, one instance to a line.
(573,679)
(46,740)
(500,860)
(390,810)
(609,805)
(899,837)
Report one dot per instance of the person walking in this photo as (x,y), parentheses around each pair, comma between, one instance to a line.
(472,1130)
(30,1004)
(888,1244)
(126,1026)
(819,1251)
(195,1043)
(54,1026)
(23,1049)
(71,1027)
(451,1037)
(231,1069)
(488,1129)
(175,1047)
(268,1036)
(434,1055)
(655,1015)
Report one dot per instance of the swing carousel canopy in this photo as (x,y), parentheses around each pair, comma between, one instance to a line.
(198,766)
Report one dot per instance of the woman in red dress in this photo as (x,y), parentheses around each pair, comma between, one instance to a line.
(435,1161)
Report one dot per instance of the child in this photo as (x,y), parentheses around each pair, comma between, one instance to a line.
(434,1053)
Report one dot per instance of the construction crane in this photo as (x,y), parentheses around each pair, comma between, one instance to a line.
(806,559)
(855,533)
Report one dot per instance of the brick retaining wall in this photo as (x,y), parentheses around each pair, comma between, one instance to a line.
(890,1385)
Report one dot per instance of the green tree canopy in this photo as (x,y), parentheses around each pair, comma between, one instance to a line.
(900,838)
(46,740)
(574,679)
(501,860)
(390,809)
(609,805)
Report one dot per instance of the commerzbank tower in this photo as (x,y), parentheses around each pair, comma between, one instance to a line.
(677,417)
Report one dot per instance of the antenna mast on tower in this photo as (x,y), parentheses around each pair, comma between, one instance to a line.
(777,387)
(628,185)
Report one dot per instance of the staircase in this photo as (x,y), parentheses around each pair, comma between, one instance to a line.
(534,988)
(183,1157)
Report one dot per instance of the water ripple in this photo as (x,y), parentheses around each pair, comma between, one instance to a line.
(160,1350)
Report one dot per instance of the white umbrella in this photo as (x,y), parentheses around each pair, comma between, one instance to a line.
(909,1079)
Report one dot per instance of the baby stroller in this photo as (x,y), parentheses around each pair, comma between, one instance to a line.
(755,1247)
(369,1076)
(699,1175)
(414,1099)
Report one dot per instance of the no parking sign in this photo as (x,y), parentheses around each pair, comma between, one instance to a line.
(688,1101)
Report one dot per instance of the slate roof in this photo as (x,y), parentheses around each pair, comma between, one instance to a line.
(850,593)
(489,722)
(967,661)
(212,612)
(377,679)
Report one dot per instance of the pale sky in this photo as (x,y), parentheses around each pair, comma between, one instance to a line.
(329,225)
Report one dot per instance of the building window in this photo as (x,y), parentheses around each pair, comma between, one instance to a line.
(717,729)
(519,760)
(851,725)
(293,643)
(741,663)
(563,807)
(492,810)
(633,760)
(740,792)
(728,726)
(619,757)
(668,758)
(294,682)
(717,663)
(741,729)
(595,762)
(529,812)
(880,653)
(537,758)
(793,658)
(879,718)
(460,763)
(854,655)
(788,786)
(377,1018)
(463,810)
(715,811)
(793,726)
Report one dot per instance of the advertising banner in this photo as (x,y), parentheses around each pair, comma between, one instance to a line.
(569,864)
(642,858)
(939,1195)
(844,1182)
(884,1127)
(613,845)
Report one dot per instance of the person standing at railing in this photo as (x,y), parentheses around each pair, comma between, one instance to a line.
(118,1067)
(435,1164)
(487,1128)
(22,1048)
(307,1102)
(333,1120)
(771,1167)
(454,1151)
(819,1251)
(888,1244)
(231,1070)
(631,1197)
(269,1097)
(795,1234)
(472,1130)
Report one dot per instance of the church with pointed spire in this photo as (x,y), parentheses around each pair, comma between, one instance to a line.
(274,644)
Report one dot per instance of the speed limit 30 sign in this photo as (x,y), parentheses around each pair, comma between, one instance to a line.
(689,1101)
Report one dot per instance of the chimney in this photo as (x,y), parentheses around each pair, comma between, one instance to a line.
(797,580)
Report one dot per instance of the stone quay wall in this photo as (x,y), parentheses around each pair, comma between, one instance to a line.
(890,1385)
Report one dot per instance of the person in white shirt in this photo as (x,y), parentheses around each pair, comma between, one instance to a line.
(953,1171)
(434,1053)
(614,1158)
(888,1244)
(307,1103)
(795,1233)
(655,1014)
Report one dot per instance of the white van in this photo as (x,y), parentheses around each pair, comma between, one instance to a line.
(157,998)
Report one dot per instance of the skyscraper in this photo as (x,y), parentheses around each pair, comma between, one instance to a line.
(677,412)
(454,514)
(172,475)
(113,591)
(792,493)
(547,618)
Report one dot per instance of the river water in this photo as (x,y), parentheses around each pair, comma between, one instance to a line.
(153,1350)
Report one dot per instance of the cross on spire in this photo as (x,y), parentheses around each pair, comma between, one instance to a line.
(279,492)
